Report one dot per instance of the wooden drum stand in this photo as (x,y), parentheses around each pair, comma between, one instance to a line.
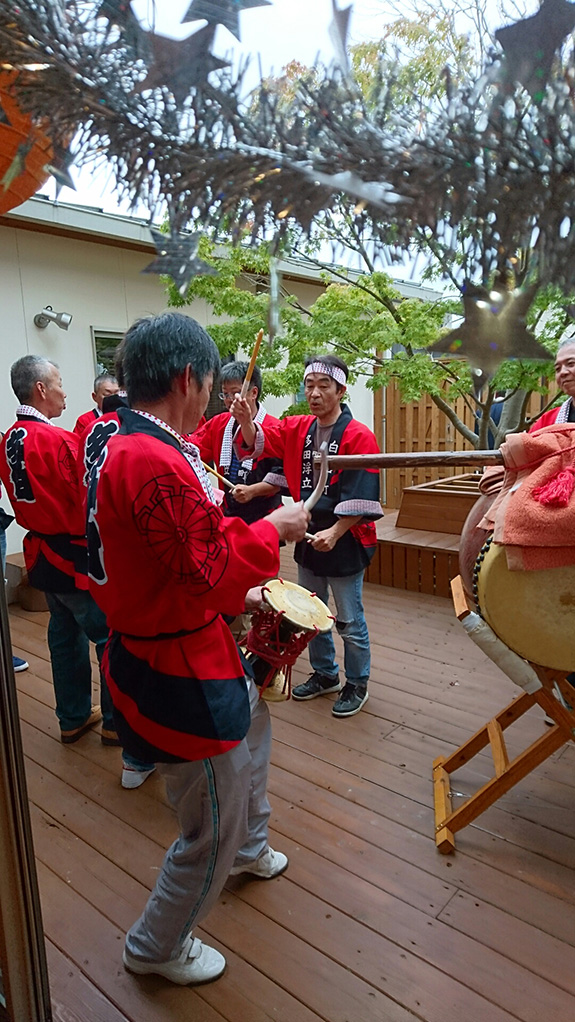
(506,772)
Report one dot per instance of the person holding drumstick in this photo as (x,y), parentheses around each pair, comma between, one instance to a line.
(343,536)
(251,495)
(164,565)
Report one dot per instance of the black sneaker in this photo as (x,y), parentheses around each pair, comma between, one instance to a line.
(316,685)
(351,700)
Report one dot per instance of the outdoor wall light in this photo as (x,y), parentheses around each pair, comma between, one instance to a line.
(61,319)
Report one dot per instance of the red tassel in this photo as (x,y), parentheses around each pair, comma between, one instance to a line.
(558,490)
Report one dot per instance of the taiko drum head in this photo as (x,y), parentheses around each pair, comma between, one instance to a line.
(532,612)
(299,608)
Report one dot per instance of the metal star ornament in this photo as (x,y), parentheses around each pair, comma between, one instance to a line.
(59,168)
(181,64)
(338,31)
(221,12)
(492,331)
(178,258)
(530,45)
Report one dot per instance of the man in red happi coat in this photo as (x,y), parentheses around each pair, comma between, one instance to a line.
(38,469)
(565,377)
(165,565)
(104,386)
(342,521)
(253,495)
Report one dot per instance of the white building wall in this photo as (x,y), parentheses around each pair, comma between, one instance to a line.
(98,280)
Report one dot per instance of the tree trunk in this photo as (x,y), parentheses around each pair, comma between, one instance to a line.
(511,415)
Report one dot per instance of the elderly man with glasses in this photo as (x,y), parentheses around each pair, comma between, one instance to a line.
(256,481)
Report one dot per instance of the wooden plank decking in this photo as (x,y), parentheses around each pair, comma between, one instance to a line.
(370,923)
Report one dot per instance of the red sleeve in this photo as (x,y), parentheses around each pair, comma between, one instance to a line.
(205,437)
(83,421)
(547,419)
(270,439)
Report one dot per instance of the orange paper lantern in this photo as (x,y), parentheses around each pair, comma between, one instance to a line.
(20,132)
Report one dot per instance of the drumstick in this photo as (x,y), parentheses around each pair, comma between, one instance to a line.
(222,479)
(251,367)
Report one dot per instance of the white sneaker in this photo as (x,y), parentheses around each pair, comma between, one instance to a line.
(270,864)
(132,778)
(196,963)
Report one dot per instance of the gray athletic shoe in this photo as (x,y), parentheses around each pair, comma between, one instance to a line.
(351,700)
(316,685)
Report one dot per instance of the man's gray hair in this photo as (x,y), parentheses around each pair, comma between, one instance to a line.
(235,372)
(26,372)
(568,342)
(157,349)
(103,378)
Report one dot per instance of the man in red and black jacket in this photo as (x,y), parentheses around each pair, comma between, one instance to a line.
(342,531)
(38,469)
(104,386)
(165,565)
(256,482)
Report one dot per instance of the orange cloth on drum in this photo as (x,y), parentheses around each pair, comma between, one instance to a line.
(492,479)
(534,533)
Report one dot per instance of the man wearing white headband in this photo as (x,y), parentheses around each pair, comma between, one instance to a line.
(344,538)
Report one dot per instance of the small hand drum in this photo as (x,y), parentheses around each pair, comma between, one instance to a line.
(280,632)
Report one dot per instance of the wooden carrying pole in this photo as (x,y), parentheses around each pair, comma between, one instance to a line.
(430,458)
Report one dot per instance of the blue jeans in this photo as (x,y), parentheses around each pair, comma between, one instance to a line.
(350,623)
(75,620)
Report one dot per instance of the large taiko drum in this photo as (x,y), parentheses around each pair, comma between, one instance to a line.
(280,631)
(472,539)
(532,612)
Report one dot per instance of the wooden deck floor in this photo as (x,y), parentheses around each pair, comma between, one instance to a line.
(370,923)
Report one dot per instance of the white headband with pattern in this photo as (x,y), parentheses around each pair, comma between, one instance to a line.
(326,370)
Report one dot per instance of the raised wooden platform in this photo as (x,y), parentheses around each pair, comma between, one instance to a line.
(370,923)
(413,559)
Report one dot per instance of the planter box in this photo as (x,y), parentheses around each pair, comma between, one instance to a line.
(441,506)
(418,546)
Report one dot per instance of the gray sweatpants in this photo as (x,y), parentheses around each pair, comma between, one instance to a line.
(223,812)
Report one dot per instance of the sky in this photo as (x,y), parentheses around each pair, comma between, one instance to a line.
(273,36)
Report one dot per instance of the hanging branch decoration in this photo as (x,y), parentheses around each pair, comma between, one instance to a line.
(59,168)
(493,160)
(274,305)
